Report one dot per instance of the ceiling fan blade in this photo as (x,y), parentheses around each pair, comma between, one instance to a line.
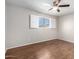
(50,9)
(67,5)
(56,2)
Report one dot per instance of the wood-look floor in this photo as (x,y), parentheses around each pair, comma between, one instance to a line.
(53,49)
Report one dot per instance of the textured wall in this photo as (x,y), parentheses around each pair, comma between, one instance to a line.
(17,28)
(66,27)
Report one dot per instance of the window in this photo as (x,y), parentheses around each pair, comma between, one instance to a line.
(42,22)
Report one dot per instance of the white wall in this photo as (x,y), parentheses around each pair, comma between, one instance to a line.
(17,28)
(66,27)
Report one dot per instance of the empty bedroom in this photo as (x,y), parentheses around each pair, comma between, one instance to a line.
(39,29)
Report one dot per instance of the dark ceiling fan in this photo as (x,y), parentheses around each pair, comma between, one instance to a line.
(56,4)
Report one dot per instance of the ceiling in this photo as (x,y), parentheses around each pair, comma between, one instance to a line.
(43,6)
